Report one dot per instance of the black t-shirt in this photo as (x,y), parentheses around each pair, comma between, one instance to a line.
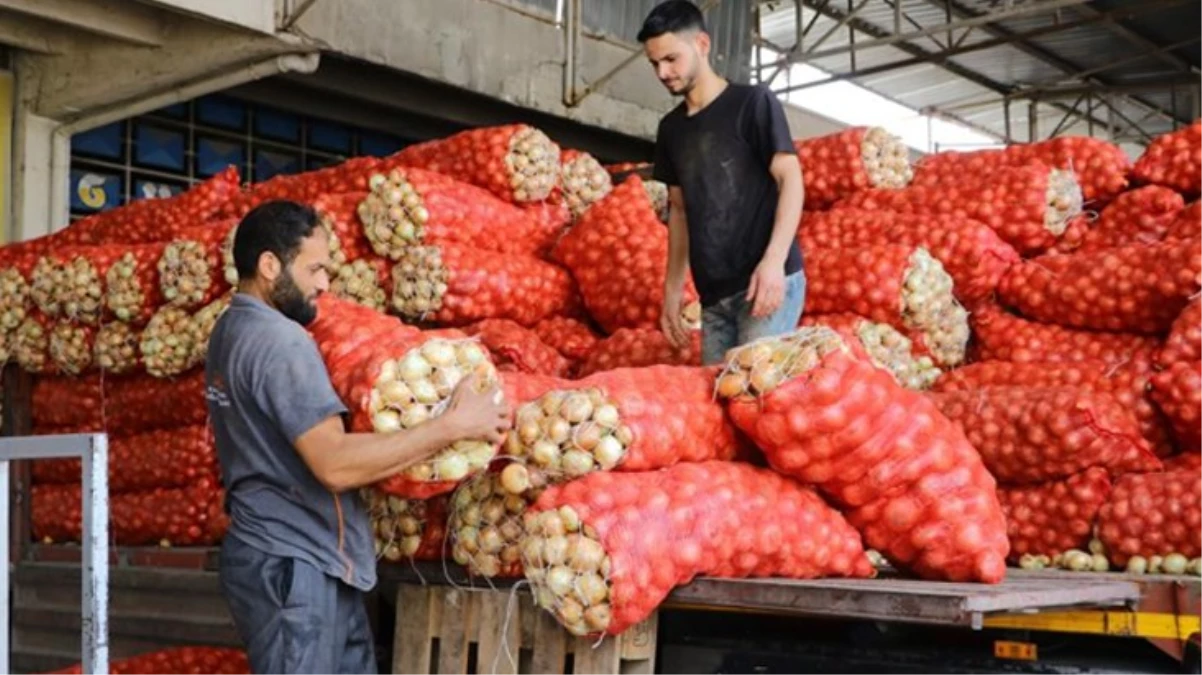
(719,157)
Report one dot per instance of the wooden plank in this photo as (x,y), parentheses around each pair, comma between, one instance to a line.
(500,633)
(593,658)
(638,647)
(411,640)
(454,641)
(528,613)
(550,644)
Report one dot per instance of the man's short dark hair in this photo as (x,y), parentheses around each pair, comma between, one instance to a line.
(276,226)
(673,16)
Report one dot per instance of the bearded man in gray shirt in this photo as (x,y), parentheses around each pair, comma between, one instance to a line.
(299,552)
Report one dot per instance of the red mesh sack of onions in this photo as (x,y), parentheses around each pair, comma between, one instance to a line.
(1178,392)
(618,254)
(188,516)
(1127,383)
(407,529)
(902,286)
(971,252)
(1184,342)
(78,291)
(573,338)
(72,347)
(117,349)
(1029,435)
(1054,517)
(582,180)
(1029,207)
(342,327)
(456,285)
(213,660)
(118,405)
(638,348)
(156,459)
(1139,216)
(366,281)
(400,380)
(17,262)
(1137,289)
(1100,166)
(552,219)
(514,347)
(154,220)
(515,162)
(1186,461)
(1154,516)
(339,214)
(411,207)
(849,161)
(603,552)
(191,269)
(1187,225)
(349,176)
(1001,336)
(903,474)
(1174,160)
(883,345)
(632,419)
(30,345)
(132,292)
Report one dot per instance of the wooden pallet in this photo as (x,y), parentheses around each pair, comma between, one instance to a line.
(442,629)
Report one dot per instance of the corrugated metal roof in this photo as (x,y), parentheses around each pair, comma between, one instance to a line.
(976,77)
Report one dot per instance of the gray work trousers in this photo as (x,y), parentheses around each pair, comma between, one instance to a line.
(292,617)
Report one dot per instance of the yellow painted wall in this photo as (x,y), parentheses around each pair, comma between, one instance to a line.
(6,150)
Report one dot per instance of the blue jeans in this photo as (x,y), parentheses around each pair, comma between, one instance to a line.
(728,323)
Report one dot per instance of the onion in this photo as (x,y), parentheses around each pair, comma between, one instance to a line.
(560,581)
(591,589)
(515,479)
(609,452)
(1100,563)
(1154,564)
(607,416)
(1174,563)
(586,555)
(491,541)
(413,367)
(386,421)
(598,617)
(587,436)
(577,463)
(451,467)
(569,518)
(546,454)
(576,408)
(439,353)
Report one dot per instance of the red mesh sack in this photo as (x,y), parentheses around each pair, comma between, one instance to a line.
(552,220)
(1029,206)
(1139,216)
(1128,384)
(1054,517)
(118,405)
(1178,392)
(618,254)
(1187,225)
(1173,159)
(1153,514)
(970,251)
(71,347)
(339,213)
(522,388)
(515,162)
(118,349)
(411,207)
(213,660)
(849,161)
(156,220)
(30,345)
(1074,235)
(456,285)
(639,348)
(1138,289)
(514,347)
(399,379)
(189,516)
(902,286)
(407,529)
(1100,166)
(132,292)
(1186,461)
(343,327)
(582,180)
(191,270)
(1184,342)
(1001,336)
(1031,435)
(81,295)
(903,474)
(633,419)
(349,176)
(632,538)
(157,459)
(882,345)
(574,339)
(17,262)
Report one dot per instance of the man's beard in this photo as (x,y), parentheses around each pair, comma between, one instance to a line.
(288,298)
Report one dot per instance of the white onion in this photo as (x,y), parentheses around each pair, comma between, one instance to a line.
(515,479)
(577,463)
(386,421)
(1174,563)
(1137,565)
(607,416)
(560,580)
(609,452)
(413,367)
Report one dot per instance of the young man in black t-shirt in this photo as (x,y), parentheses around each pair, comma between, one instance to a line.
(735,189)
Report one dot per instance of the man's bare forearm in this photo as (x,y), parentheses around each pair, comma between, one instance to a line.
(363,459)
(787,172)
(678,248)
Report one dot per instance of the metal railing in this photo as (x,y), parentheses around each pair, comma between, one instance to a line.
(92,451)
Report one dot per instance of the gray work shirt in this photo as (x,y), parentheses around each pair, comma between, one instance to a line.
(266,385)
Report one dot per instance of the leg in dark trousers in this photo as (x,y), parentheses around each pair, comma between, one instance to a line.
(292,617)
